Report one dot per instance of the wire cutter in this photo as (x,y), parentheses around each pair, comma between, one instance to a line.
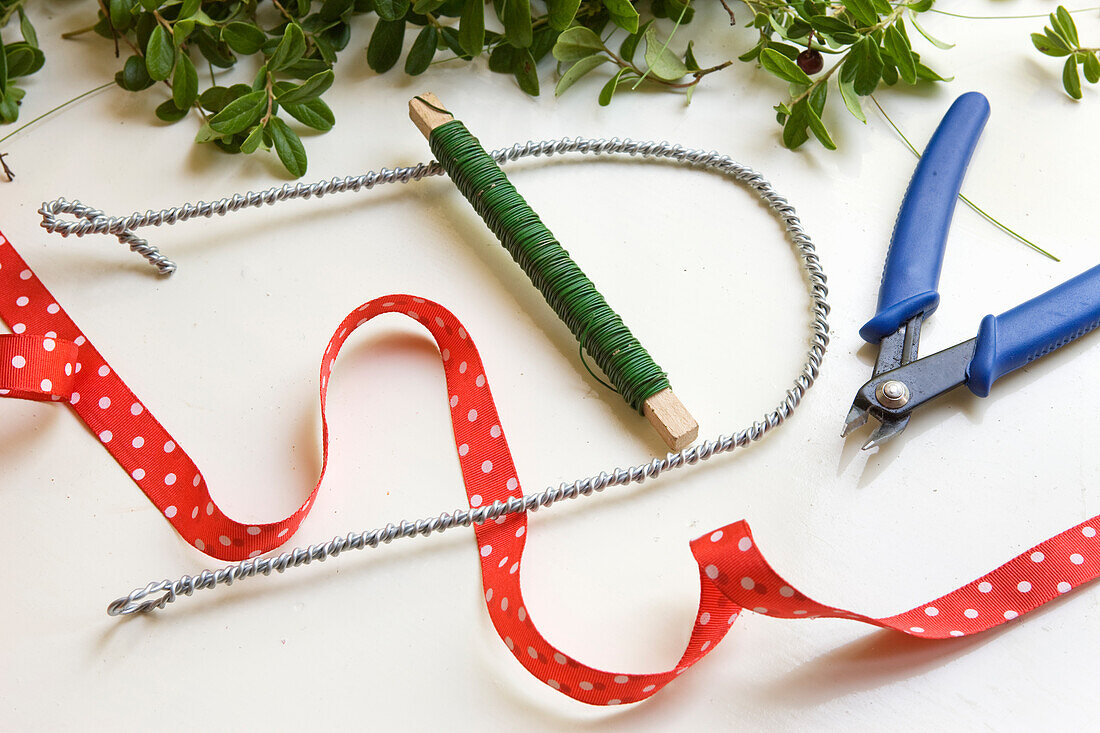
(908,295)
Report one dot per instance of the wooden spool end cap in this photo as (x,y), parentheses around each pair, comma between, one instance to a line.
(423,115)
(671,420)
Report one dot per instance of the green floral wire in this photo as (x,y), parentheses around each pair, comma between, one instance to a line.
(598,329)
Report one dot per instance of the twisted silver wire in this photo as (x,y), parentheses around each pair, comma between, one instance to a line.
(93,221)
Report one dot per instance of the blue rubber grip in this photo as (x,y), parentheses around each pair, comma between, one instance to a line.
(1034,329)
(915,257)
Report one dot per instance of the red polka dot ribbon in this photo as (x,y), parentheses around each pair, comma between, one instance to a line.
(46,357)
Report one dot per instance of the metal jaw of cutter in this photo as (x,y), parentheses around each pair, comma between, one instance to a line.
(892,394)
(896,350)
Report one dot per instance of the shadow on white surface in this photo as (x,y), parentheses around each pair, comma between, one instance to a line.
(885,657)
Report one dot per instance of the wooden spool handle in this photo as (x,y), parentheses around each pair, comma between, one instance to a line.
(668,416)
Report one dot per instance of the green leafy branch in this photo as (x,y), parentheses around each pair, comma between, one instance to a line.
(584,52)
(17,59)
(817,48)
(868,38)
(240,118)
(1060,39)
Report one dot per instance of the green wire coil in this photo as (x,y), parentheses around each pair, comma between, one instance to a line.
(599,330)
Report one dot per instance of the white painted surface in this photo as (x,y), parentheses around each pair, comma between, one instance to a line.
(225,354)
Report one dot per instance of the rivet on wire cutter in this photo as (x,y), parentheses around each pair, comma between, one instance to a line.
(902,382)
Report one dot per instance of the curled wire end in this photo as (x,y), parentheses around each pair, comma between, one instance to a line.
(94,221)
(129,605)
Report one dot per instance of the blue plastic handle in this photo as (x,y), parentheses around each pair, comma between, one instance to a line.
(915,257)
(1034,329)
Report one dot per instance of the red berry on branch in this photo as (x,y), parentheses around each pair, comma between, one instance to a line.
(810,61)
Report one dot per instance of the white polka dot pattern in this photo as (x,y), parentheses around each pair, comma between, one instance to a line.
(47,358)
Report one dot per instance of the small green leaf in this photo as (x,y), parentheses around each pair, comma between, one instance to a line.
(471,27)
(188,8)
(185,83)
(689,60)
(312,88)
(630,44)
(578,70)
(1048,45)
(17,59)
(817,127)
(239,114)
(181,30)
(27,29)
(835,28)
(244,38)
(9,111)
(786,49)
(150,5)
(215,98)
(799,29)
(783,67)
(862,10)
(1070,79)
(752,53)
(291,48)
(577,43)
(422,51)
(898,47)
(160,54)
(923,72)
(524,72)
(253,140)
(306,68)
(851,100)
(385,45)
(260,80)
(206,134)
(3,73)
(391,9)
(623,14)
(134,77)
(863,67)
(213,49)
(662,63)
(288,146)
(612,85)
(203,19)
(120,14)
(449,37)
(169,112)
(889,71)
(1044,45)
(794,129)
(314,113)
(517,22)
(1062,21)
(562,12)
(22,59)
(502,58)
(1092,68)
